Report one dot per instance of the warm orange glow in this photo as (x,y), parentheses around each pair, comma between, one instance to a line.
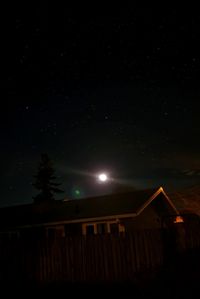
(178,219)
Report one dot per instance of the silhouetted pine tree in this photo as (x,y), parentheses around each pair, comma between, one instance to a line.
(45,181)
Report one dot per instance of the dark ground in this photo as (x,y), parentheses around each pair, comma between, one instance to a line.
(179,278)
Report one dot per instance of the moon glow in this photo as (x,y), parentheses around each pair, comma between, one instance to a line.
(102,177)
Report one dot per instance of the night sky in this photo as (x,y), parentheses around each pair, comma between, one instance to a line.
(103,92)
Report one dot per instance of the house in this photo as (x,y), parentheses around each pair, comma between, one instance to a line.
(113,213)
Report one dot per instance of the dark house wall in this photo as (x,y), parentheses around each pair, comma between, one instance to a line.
(73,229)
(152,216)
(148,219)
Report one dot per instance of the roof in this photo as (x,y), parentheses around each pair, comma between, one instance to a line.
(78,209)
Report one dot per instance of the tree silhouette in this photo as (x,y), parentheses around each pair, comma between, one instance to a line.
(45,181)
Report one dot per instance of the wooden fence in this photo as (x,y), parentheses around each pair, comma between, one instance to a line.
(98,258)
(81,259)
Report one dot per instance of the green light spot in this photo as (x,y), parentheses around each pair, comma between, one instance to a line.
(77,192)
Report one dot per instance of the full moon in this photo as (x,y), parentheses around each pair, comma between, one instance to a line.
(102,177)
